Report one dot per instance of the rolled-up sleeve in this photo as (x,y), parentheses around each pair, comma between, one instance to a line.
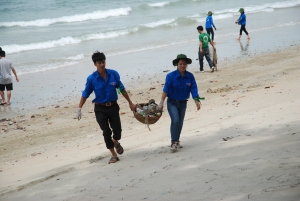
(88,88)
(167,85)
(194,88)
(119,83)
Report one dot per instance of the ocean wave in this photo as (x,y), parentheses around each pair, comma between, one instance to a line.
(35,68)
(285,4)
(269,7)
(67,19)
(15,48)
(160,23)
(77,57)
(223,16)
(159,4)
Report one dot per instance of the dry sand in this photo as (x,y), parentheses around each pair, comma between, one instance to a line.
(242,145)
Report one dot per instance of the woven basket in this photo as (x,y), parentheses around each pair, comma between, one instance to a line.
(146,119)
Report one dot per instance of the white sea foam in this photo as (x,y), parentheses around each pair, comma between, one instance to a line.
(44,67)
(16,48)
(77,57)
(67,19)
(194,16)
(285,4)
(160,23)
(223,16)
(269,7)
(160,4)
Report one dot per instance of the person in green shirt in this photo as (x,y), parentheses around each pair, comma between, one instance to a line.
(203,49)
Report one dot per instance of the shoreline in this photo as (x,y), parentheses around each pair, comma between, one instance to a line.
(53,87)
(243,105)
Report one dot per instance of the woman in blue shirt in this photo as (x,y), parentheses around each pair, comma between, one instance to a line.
(242,21)
(178,86)
(209,25)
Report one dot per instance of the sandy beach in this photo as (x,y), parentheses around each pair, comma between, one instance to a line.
(242,145)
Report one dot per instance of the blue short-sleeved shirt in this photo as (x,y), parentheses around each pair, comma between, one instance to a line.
(105,91)
(179,87)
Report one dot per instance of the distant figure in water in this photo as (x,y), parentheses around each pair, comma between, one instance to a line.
(209,25)
(242,21)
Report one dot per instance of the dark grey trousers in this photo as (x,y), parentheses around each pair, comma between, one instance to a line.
(205,53)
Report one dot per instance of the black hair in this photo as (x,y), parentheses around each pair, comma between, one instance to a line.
(2,53)
(98,56)
(200,28)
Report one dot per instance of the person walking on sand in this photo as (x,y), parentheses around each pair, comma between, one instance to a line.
(209,25)
(104,82)
(6,81)
(242,21)
(178,86)
(203,49)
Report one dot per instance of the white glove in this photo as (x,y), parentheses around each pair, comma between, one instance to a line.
(78,115)
(161,105)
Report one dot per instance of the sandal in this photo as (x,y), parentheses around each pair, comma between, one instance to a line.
(119,149)
(113,160)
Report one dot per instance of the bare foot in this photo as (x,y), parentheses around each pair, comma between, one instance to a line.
(238,39)
(3,103)
(248,38)
(8,103)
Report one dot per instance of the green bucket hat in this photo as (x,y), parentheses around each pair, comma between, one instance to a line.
(241,10)
(210,13)
(181,56)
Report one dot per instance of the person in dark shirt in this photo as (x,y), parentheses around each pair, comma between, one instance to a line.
(104,83)
(242,21)
(178,86)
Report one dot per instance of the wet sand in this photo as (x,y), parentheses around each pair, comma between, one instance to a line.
(242,144)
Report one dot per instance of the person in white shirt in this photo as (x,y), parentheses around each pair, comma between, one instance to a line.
(6,81)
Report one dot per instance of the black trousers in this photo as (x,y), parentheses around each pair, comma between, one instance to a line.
(109,121)
(210,31)
(243,28)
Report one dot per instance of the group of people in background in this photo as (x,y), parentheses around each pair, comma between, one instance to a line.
(205,39)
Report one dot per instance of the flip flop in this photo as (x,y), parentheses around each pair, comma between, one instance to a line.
(119,149)
(113,160)
(3,103)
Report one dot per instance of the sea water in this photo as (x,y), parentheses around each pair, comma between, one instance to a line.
(50,34)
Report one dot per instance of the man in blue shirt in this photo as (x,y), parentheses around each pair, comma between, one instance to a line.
(209,25)
(104,83)
(242,21)
(178,86)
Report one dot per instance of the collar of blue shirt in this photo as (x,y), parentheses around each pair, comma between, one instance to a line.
(178,73)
